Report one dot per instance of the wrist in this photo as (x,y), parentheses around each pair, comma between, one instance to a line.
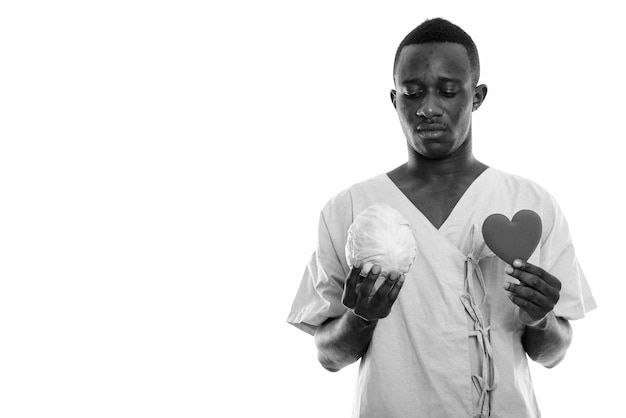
(359,322)
(543,323)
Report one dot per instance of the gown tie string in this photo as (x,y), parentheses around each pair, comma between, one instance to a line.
(487,380)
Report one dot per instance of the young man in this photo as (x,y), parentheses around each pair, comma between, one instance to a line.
(451,337)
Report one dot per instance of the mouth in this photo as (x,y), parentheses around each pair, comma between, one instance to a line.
(430,130)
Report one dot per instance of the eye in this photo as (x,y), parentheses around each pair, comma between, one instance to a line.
(412,94)
(448,93)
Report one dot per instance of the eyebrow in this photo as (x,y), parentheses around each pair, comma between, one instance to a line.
(439,79)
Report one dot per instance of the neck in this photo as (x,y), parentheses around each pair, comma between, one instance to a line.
(460,162)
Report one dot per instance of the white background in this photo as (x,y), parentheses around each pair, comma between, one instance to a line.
(163,164)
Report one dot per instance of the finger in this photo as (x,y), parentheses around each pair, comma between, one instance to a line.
(365,289)
(539,272)
(383,290)
(535,281)
(395,290)
(530,294)
(532,281)
(530,308)
(354,274)
(349,290)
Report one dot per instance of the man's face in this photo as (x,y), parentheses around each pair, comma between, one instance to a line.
(434,97)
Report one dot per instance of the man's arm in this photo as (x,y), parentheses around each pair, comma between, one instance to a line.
(546,337)
(548,342)
(342,341)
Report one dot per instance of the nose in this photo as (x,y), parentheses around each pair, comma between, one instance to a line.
(429,107)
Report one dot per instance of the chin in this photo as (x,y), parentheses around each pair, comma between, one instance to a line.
(435,151)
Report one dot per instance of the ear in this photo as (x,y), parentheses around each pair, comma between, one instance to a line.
(480,92)
(392,94)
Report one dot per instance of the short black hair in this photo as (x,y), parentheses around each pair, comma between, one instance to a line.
(441,30)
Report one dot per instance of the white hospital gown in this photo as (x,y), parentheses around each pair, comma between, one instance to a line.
(451,346)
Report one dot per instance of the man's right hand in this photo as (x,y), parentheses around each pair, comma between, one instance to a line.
(357,293)
(343,340)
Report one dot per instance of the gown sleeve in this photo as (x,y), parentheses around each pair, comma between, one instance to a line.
(558,257)
(319,295)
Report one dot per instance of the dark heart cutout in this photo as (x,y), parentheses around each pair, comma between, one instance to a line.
(513,239)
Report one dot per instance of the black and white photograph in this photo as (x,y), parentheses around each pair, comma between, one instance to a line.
(339,209)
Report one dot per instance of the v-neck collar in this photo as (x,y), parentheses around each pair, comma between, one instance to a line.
(461,202)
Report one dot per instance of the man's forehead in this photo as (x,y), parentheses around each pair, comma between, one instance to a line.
(449,59)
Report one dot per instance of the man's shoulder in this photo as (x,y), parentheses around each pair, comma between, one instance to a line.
(518,183)
(516,192)
(365,187)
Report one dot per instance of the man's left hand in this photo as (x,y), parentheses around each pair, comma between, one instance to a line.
(536,294)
